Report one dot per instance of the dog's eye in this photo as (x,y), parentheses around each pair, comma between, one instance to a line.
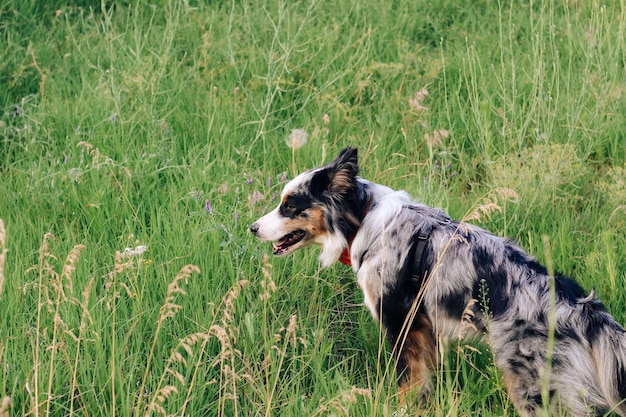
(289,210)
(295,205)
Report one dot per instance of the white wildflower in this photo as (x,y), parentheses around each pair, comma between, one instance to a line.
(136,251)
(297,138)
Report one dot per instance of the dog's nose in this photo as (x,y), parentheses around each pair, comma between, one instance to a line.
(254,228)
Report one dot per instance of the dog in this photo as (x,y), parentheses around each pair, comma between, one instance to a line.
(427,278)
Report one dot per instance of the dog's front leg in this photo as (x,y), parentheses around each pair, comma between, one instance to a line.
(416,353)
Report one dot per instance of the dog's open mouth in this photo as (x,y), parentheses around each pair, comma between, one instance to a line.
(284,243)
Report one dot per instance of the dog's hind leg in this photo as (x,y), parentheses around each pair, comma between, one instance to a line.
(416,358)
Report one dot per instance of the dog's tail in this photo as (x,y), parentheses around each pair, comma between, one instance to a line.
(608,347)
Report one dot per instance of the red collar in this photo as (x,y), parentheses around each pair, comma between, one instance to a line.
(345,255)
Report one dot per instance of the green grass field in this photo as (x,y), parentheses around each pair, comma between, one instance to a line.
(140,139)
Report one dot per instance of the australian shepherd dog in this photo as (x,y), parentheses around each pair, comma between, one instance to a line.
(426,278)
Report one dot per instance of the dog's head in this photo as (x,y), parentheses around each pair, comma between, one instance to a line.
(319,206)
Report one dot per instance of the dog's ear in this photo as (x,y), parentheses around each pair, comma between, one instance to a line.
(338,177)
(348,156)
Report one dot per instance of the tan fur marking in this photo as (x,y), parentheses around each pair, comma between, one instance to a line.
(317,223)
(341,182)
(509,381)
(419,353)
(313,224)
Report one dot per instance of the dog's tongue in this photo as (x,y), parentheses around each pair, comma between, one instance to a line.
(286,241)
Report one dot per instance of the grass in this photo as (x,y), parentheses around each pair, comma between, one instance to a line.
(162,125)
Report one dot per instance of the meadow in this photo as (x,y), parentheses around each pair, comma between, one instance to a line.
(140,139)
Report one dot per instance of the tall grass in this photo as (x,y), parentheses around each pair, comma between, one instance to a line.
(138,140)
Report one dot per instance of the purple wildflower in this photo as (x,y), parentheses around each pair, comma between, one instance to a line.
(270,182)
(208,207)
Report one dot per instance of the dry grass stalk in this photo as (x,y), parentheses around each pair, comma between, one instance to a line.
(70,266)
(291,329)
(61,297)
(44,268)
(95,154)
(3,254)
(229,301)
(176,358)
(98,159)
(121,263)
(85,319)
(267,284)
(5,406)
(226,333)
(339,404)
(53,290)
(168,310)
(491,203)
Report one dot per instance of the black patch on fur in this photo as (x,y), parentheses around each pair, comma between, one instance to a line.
(491,283)
(567,332)
(597,319)
(621,381)
(536,401)
(601,412)
(295,205)
(330,223)
(524,333)
(454,303)
(516,366)
(320,182)
(559,362)
(533,332)
(518,257)
(568,290)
